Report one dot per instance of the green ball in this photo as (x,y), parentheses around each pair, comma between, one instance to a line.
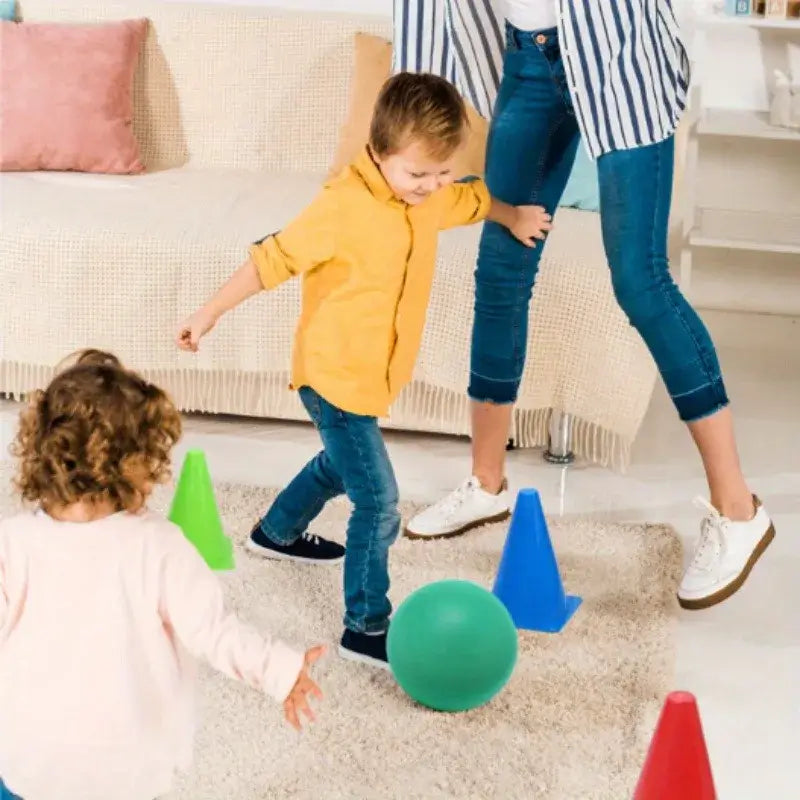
(452,645)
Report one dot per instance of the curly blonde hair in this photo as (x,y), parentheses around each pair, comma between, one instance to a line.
(99,433)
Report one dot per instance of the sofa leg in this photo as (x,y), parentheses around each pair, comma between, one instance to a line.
(559,450)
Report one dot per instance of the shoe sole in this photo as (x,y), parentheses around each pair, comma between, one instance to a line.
(360,658)
(699,603)
(265,552)
(478,523)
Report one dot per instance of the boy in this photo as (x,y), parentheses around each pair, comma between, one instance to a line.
(366,248)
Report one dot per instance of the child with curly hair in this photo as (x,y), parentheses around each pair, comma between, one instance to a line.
(103,603)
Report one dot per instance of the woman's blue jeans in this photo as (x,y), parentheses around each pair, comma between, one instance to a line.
(532,143)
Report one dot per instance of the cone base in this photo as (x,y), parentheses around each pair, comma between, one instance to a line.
(534,622)
(222,560)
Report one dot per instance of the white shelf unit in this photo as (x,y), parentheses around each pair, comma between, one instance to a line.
(767,23)
(743,123)
(717,227)
(777,233)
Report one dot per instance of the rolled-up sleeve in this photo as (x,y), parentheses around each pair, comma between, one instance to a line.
(464,203)
(306,242)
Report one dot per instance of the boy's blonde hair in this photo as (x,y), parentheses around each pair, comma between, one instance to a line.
(422,107)
(97,433)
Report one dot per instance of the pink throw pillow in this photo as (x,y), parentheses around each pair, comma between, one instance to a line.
(66,96)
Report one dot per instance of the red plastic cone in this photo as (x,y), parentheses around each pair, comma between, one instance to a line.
(677,766)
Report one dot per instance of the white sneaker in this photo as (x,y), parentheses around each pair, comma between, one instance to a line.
(469,506)
(725,553)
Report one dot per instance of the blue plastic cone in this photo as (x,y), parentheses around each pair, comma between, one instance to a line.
(528,581)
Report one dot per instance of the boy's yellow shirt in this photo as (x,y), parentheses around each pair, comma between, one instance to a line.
(367,260)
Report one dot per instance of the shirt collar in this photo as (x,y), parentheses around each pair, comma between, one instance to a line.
(366,167)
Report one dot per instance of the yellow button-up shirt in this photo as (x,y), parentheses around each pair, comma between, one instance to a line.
(367,260)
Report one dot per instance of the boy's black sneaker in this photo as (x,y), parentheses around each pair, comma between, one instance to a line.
(308,549)
(364,648)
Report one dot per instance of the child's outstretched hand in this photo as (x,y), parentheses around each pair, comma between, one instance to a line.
(193,329)
(531,223)
(304,688)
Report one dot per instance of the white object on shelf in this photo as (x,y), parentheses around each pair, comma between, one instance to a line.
(781,103)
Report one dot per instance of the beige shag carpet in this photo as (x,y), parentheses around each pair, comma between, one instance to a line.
(573,723)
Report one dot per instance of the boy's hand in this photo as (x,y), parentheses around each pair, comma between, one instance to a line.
(297,701)
(193,329)
(530,223)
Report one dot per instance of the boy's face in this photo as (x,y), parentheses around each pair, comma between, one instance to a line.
(412,173)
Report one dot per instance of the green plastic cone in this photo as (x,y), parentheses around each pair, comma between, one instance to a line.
(194,510)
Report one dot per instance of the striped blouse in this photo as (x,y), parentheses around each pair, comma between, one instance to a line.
(627,69)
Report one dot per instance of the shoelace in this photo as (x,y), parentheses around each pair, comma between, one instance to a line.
(310,537)
(447,505)
(713,539)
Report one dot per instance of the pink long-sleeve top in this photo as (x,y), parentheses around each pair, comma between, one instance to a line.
(100,626)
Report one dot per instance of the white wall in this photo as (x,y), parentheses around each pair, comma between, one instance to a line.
(351,6)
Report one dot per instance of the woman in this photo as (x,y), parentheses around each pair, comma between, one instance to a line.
(613,72)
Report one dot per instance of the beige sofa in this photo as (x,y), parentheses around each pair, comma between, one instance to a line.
(237,112)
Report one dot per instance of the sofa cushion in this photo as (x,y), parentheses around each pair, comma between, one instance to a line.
(66,96)
(582,190)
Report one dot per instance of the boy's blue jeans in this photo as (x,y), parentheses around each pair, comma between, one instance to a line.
(532,143)
(354,461)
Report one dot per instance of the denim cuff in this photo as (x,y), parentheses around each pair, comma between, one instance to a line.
(485,390)
(702,402)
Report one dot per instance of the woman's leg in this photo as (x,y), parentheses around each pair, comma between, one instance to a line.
(716,441)
(531,149)
(635,197)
